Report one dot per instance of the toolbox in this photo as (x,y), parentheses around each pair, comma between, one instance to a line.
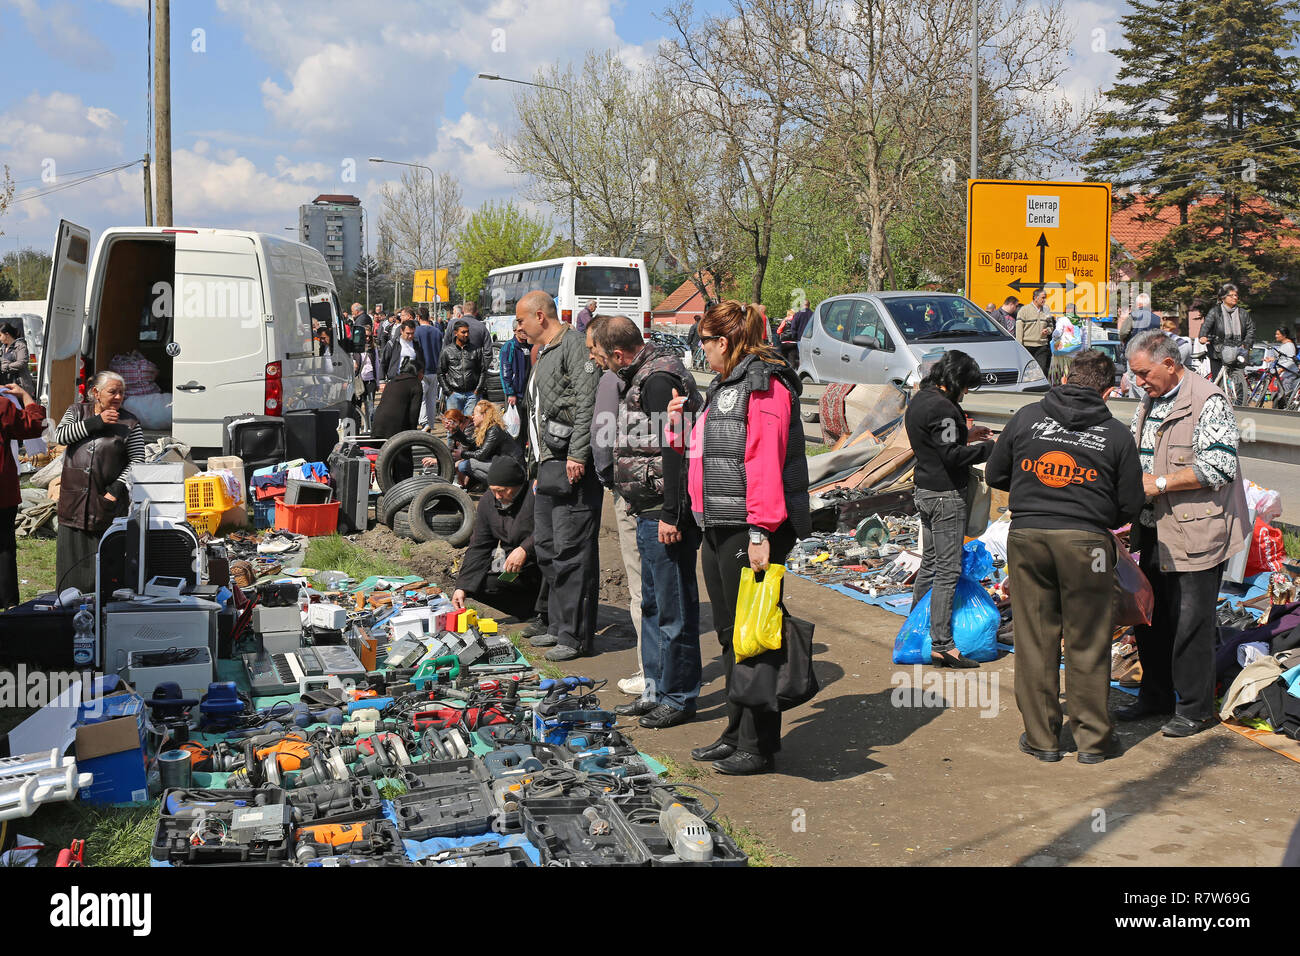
(465,772)
(215,827)
(498,856)
(354,799)
(562,834)
(453,811)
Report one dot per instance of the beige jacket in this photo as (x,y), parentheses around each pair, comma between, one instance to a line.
(1204,527)
(1030,325)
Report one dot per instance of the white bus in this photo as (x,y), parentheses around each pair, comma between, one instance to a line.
(619,287)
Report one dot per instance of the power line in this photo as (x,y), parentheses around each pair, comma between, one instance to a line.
(75,172)
(76,182)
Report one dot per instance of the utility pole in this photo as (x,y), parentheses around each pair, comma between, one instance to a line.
(974,86)
(148,194)
(162,107)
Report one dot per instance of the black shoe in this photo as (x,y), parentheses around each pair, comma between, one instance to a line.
(742,764)
(535,626)
(636,708)
(664,716)
(543,640)
(1115,749)
(1181,726)
(952,659)
(718,750)
(1142,709)
(1046,756)
(563,652)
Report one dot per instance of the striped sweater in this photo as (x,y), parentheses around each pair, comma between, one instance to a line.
(71,431)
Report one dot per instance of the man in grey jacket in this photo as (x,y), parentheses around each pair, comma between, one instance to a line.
(561,396)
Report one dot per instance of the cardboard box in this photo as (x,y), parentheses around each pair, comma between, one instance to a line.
(236,517)
(110,744)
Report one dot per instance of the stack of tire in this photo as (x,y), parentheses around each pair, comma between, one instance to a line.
(426,506)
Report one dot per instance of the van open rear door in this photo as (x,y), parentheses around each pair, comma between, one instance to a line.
(65,318)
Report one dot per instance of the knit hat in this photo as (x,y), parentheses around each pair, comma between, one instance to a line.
(505,472)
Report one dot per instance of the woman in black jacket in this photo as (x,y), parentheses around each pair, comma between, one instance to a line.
(491,439)
(399,410)
(944,450)
(1229,325)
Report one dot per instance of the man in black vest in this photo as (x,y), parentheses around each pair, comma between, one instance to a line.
(650,474)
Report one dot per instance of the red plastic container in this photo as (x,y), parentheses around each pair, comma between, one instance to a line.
(311,520)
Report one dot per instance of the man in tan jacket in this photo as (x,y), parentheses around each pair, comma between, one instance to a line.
(1034,326)
(1195,520)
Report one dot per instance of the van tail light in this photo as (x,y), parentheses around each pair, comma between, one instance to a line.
(81,378)
(567,316)
(274,403)
(645,325)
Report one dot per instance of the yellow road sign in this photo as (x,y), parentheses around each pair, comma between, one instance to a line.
(1025,236)
(427,284)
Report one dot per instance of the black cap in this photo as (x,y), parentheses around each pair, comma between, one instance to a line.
(505,472)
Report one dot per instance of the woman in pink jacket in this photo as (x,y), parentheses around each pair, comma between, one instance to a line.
(748,484)
(17,422)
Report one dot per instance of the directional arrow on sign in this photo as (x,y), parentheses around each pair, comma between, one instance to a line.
(1067,285)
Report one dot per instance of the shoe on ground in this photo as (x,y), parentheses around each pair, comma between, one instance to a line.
(1115,749)
(543,640)
(534,627)
(562,652)
(718,750)
(633,686)
(664,716)
(742,764)
(1142,709)
(1181,726)
(1046,756)
(637,708)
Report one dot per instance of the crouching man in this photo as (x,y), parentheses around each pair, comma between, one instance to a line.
(505,519)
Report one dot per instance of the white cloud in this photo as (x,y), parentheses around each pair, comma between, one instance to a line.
(57,30)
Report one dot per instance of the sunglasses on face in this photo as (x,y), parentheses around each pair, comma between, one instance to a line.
(711,338)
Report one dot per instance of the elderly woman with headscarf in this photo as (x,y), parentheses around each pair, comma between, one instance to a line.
(102,441)
(17,422)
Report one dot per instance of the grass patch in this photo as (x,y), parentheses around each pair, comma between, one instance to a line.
(37,564)
(814,450)
(114,836)
(759,852)
(536,656)
(389,788)
(336,553)
(1290,542)
(680,771)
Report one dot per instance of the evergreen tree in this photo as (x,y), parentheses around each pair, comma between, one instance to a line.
(1203,131)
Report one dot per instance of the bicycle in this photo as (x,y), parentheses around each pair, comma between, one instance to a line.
(1227,384)
(1271,383)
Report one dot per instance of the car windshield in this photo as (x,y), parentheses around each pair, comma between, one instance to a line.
(932,318)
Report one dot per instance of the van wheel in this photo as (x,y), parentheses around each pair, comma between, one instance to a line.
(409,448)
(398,498)
(442,511)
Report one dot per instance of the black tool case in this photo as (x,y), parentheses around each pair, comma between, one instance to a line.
(642,815)
(463,810)
(561,833)
(256,829)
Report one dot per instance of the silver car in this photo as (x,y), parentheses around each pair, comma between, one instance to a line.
(874,338)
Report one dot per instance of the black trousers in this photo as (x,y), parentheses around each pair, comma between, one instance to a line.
(523,598)
(8,557)
(1177,647)
(565,530)
(725,554)
(1043,356)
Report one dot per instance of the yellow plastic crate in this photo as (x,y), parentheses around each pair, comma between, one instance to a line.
(206,493)
(207,521)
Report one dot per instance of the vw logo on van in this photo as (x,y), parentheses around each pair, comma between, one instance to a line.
(173,349)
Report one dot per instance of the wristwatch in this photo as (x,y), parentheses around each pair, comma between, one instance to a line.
(1161,483)
(756,536)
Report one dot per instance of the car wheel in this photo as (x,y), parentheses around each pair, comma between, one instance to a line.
(442,511)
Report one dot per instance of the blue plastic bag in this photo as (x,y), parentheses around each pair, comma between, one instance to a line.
(975,618)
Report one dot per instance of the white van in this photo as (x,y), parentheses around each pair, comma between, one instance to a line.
(235,322)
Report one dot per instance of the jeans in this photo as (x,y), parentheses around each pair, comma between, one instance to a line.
(943,520)
(670,616)
(474,468)
(463,401)
(370,389)
(430,399)
(565,531)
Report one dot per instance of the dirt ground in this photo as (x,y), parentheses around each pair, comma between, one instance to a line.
(871,774)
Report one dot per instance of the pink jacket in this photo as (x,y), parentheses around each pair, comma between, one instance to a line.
(766,436)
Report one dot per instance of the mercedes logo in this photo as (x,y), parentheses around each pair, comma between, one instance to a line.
(990,378)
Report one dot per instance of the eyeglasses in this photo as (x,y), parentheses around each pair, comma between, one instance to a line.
(711,338)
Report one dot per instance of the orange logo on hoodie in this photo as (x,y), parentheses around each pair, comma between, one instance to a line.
(1056,469)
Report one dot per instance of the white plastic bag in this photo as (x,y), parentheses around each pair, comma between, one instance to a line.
(153,411)
(512,421)
(1265,503)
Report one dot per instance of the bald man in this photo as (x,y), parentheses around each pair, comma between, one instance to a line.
(561,397)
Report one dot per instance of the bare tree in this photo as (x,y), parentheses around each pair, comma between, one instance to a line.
(585,139)
(449,221)
(419,221)
(883,82)
(6,194)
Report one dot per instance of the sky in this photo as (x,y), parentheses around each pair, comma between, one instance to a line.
(275,101)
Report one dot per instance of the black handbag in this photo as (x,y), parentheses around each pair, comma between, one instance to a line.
(553,479)
(779,680)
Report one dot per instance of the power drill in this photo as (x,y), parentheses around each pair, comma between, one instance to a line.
(325,839)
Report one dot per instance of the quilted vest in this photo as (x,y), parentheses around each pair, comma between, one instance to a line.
(89,467)
(723,451)
(638,454)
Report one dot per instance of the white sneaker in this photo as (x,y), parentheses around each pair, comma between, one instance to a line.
(633,686)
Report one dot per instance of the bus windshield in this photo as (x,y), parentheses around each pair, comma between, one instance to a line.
(608,281)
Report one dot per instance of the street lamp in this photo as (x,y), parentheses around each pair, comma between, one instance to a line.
(398,162)
(573,241)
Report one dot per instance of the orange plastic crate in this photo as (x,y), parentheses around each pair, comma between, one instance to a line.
(311,520)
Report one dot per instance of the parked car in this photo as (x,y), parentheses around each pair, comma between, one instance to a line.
(879,337)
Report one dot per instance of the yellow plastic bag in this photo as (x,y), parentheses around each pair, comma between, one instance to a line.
(758,613)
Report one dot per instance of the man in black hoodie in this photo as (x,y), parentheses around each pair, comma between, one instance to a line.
(1074,474)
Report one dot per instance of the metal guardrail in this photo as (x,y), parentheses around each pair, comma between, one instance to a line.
(1265,432)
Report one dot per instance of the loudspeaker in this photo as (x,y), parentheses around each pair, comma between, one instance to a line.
(310,434)
(258,439)
(351,480)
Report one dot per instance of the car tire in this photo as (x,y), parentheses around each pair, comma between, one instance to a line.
(442,511)
(398,498)
(402,526)
(406,446)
